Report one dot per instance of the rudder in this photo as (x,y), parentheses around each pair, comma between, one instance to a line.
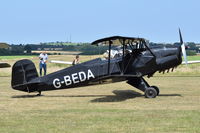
(24,71)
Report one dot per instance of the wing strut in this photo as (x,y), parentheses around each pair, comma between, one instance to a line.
(110,42)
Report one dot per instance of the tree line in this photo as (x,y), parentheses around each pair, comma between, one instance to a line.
(84,48)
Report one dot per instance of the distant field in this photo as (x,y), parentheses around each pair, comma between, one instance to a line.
(193,57)
(58,52)
(30,56)
(16,57)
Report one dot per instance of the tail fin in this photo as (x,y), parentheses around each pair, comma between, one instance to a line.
(23,72)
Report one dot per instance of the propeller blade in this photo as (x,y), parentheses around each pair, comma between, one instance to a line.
(181,39)
(183,47)
(184,53)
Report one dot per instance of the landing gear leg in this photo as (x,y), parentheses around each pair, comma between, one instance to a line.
(141,84)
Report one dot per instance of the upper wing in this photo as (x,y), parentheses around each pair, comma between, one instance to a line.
(3,65)
(61,62)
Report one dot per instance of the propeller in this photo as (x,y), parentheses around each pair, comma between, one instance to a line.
(183,48)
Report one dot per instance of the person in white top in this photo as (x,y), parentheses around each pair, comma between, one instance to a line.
(76,60)
(43,62)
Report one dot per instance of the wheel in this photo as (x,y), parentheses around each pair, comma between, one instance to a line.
(157,89)
(150,92)
(39,93)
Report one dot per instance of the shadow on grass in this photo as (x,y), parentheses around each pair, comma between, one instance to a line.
(170,95)
(77,95)
(120,95)
(32,96)
(26,96)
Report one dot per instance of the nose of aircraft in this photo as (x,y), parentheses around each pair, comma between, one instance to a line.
(168,57)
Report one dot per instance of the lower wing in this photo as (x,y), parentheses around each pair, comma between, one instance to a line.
(61,62)
(191,62)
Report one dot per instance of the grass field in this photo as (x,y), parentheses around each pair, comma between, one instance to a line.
(111,108)
(194,57)
(2,58)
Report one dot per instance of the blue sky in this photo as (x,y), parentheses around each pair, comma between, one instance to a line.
(25,21)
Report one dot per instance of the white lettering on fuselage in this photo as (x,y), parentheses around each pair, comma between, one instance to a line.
(56,83)
(73,79)
(82,76)
(90,74)
(67,80)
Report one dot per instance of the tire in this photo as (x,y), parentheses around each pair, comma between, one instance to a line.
(150,92)
(157,89)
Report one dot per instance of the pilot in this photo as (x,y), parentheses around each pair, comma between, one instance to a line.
(113,54)
(76,60)
(105,56)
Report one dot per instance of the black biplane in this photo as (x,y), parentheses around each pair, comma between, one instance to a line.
(136,61)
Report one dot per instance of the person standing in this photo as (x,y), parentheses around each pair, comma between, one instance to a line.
(76,60)
(43,65)
(43,62)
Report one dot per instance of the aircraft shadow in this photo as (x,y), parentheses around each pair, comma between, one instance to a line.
(76,95)
(26,96)
(120,95)
(170,95)
(32,96)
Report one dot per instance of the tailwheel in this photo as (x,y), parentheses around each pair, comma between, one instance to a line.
(157,89)
(150,92)
(39,93)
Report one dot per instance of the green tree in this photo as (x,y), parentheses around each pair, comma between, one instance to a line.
(28,49)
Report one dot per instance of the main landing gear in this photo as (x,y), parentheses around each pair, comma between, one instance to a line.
(141,84)
(151,92)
